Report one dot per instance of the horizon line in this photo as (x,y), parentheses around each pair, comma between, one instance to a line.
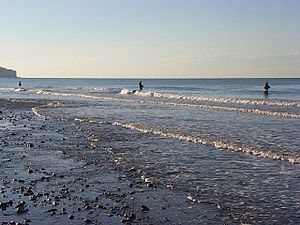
(149,78)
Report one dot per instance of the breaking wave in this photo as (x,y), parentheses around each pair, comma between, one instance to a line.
(179,103)
(235,109)
(194,105)
(197,139)
(218,144)
(209,99)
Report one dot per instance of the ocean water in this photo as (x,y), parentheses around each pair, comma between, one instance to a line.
(223,142)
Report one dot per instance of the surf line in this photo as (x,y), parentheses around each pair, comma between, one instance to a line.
(244,110)
(203,106)
(214,143)
(219,100)
(181,137)
(37,110)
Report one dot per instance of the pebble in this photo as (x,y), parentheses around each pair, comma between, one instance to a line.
(88,221)
(65,194)
(20,207)
(4,205)
(52,210)
(128,217)
(30,145)
(144,208)
(71,217)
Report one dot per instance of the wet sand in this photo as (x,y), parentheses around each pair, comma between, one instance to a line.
(52,172)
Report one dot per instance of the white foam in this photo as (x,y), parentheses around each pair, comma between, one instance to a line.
(21,89)
(7,89)
(112,90)
(125,92)
(181,104)
(145,94)
(221,100)
(36,112)
(128,92)
(279,103)
(80,95)
(219,144)
(235,109)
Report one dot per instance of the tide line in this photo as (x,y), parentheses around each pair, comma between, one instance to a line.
(215,143)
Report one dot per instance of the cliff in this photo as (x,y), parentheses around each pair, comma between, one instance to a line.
(7,73)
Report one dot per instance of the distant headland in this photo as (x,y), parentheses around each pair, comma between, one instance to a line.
(7,73)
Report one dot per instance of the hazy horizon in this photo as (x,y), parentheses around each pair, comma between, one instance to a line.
(151,39)
(157,78)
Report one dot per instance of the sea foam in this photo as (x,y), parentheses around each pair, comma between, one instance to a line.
(181,104)
(219,100)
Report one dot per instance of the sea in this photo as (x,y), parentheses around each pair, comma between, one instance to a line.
(222,142)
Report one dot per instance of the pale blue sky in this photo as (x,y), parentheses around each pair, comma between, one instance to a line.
(151,38)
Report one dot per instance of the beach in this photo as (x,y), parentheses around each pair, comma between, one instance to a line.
(150,112)
(80,151)
(53,173)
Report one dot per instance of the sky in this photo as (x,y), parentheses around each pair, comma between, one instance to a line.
(151,38)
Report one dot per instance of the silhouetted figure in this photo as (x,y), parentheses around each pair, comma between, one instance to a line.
(20,83)
(266,88)
(141,85)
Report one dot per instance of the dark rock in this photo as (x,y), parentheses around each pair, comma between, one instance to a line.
(4,205)
(52,210)
(20,204)
(28,192)
(100,206)
(87,206)
(33,197)
(71,217)
(54,203)
(128,217)
(30,145)
(20,207)
(149,185)
(132,169)
(166,219)
(88,221)
(144,208)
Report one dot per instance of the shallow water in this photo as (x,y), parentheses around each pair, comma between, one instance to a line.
(221,141)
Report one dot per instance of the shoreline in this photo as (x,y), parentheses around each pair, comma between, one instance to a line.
(53,173)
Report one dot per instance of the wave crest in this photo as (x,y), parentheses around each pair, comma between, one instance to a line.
(218,100)
(218,144)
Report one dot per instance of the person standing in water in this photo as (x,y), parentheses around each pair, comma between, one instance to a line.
(141,85)
(266,88)
(20,83)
